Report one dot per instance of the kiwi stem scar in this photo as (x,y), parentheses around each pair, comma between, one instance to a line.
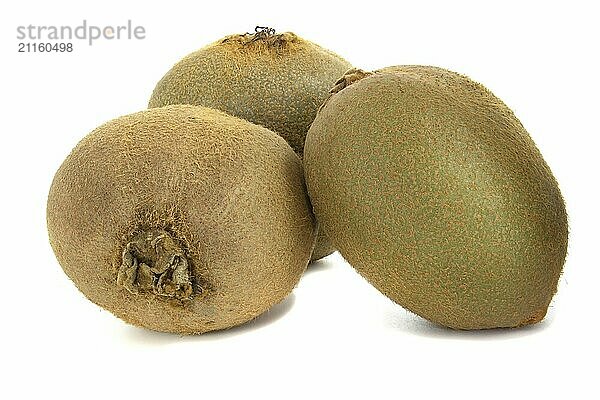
(153,262)
(261,32)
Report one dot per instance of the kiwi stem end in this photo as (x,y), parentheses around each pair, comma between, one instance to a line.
(154,262)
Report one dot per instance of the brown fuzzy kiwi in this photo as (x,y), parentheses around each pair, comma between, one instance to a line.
(274,80)
(182,219)
(433,190)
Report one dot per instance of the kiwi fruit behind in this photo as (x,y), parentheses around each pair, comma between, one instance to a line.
(433,191)
(182,219)
(274,80)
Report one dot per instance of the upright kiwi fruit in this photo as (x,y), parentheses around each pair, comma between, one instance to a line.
(433,190)
(274,80)
(182,219)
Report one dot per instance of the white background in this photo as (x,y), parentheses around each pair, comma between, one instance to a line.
(335,336)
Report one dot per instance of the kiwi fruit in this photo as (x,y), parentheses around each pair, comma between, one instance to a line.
(433,191)
(274,80)
(182,219)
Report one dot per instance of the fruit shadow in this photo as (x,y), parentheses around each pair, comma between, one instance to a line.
(323,264)
(152,338)
(407,322)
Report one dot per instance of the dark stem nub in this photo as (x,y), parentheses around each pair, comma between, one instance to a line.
(351,76)
(262,32)
(153,262)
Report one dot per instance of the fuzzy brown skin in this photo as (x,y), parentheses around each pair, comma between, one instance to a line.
(274,80)
(433,190)
(182,219)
